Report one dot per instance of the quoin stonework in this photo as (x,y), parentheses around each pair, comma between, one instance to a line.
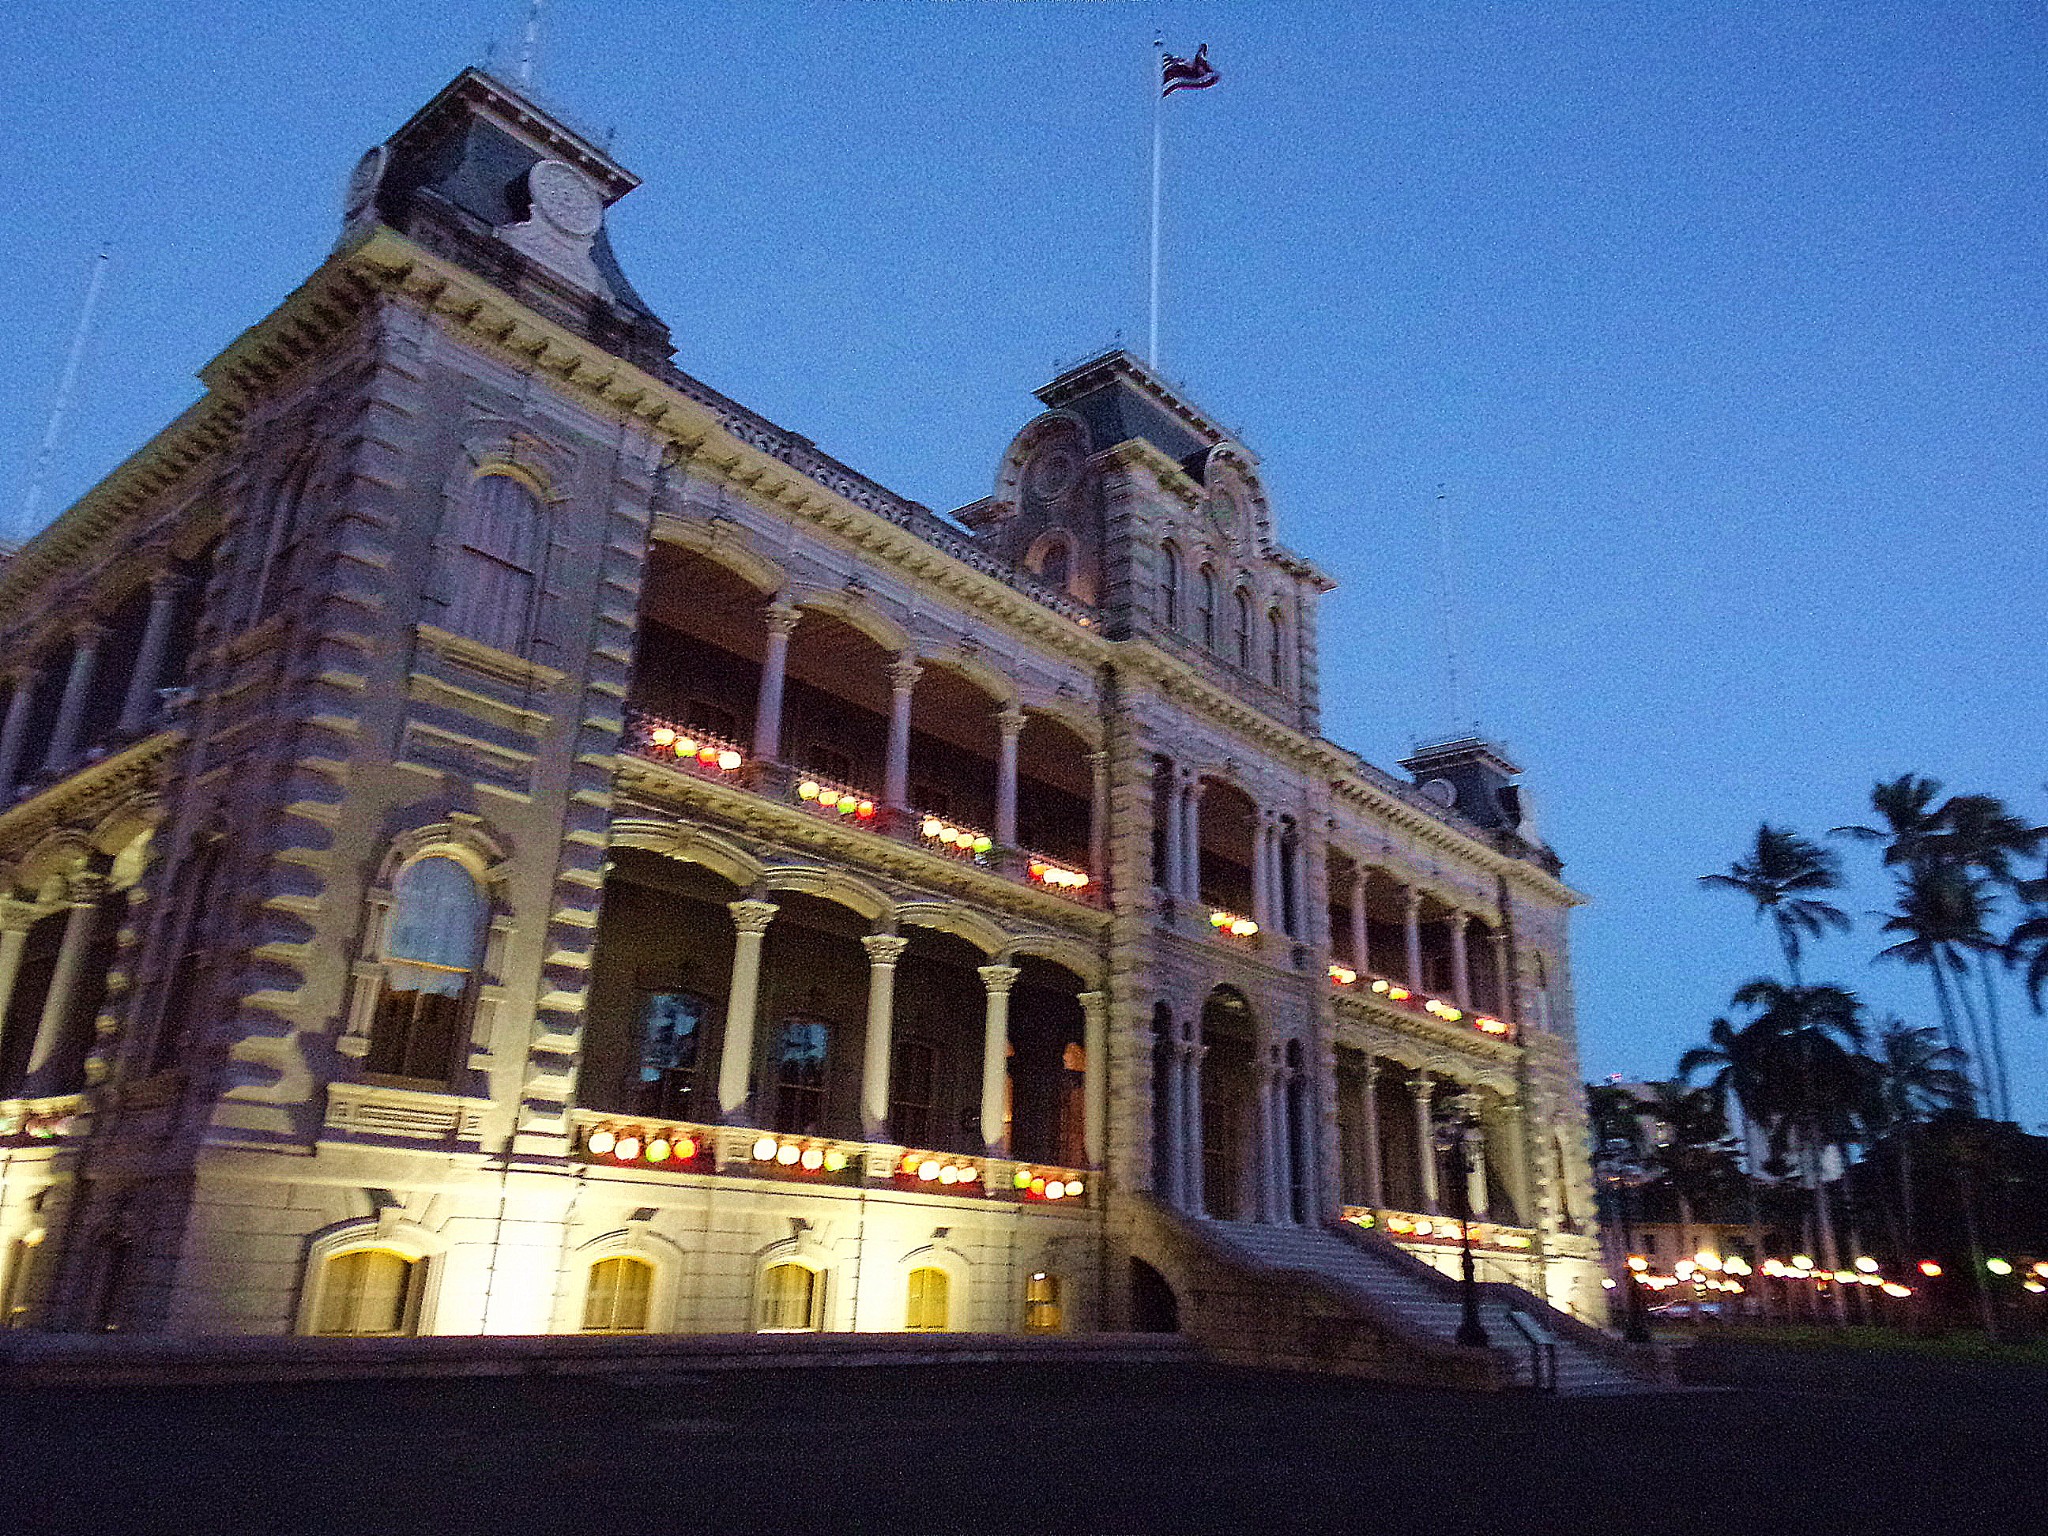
(498,838)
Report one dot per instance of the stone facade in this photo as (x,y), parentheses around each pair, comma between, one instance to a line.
(498,838)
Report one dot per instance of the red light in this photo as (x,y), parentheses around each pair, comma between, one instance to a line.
(1929,1268)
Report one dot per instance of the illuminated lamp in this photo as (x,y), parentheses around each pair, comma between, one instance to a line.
(865,810)
(1077,880)
(788,1153)
(1893,1288)
(1930,1269)
(686,746)
(931,826)
(1706,1258)
(1379,986)
(1607,1284)
(948,836)
(1244,927)
(662,736)
(983,844)
(1219,919)
(2041,1268)
(1801,1261)
(1638,1263)
(658,1150)
(1037,1185)
(949,1174)
(1055,1190)
(813,1159)
(628,1149)
(707,754)
(835,1161)
(1074,1189)
(1424,1228)
(928,1169)
(764,1150)
(2035,1286)
(1844,1276)
(1867,1264)
(910,1164)
(1999,1266)
(601,1141)
(969,1174)
(728,759)
(848,804)
(1684,1269)
(808,790)
(1021,1179)
(686,1148)
(1037,870)
(1399,994)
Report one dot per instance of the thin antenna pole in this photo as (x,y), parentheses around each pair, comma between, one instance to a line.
(530,45)
(1158,144)
(67,386)
(1454,700)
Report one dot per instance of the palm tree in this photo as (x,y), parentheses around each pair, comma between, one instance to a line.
(1941,913)
(1906,805)
(1979,834)
(1691,1157)
(2027,944)
(1779,875)
(1914,1077)
(1809,1079)
(1739,1078)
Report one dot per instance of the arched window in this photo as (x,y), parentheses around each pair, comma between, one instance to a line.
(1244,629)
(281,538)
(929,1291)
(431,950)
(789,1299)
(1205,609)
(1278,640)
(617,1301)
(496,563)
(1055,563)
(1042,1310)
(1170,555)
(369,1293)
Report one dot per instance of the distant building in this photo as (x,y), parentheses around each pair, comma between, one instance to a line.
(499,838)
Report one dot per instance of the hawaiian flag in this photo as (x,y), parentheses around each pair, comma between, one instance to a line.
(1194,74)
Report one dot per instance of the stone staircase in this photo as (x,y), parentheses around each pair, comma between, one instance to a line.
(1428,1303)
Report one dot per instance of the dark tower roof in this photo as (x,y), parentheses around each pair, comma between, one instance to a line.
(1120,399)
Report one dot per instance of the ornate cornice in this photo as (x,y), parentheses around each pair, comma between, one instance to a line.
(1380,1019)
(90,793)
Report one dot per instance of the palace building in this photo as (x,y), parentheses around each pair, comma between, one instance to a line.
(498,838)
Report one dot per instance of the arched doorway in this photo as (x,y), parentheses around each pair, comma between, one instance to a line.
(1229,1107)
(1154,1307)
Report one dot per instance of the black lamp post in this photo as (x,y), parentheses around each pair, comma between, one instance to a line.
(1621,1170)
(1453,1130)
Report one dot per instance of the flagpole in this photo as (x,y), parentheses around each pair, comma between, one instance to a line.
(1158,97)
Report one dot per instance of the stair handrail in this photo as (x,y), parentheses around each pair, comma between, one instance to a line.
(1542,1350)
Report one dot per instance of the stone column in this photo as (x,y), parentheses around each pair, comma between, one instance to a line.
(1262,873)
(1094,1076)
(884,950)
(1009,726)
(85,660)
(1412,934)
(1276,888)
(1369,1120)
(16,918)
(903,675)
(736,1061)
(1191,841)
(1461,961)
(1174,1111)
(1499,1000)
(1475,1160)
(1098,817)
(1195,1177)
(995,1066)
(138,708)
(1361,954)
(12,732)
(1293,877)
(1290,1161)
(1425,1140)
(1173,882)
(782,621)
(1264,1208)
(61,1001)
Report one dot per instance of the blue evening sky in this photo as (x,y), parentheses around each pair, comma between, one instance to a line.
(1721,325)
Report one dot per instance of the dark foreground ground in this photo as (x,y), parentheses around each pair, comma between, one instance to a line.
(1065,1447)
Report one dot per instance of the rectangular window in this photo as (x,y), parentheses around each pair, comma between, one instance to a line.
(911,1078)
(671,1024)
(620,1289)
(418,1018)
(789,1299)
(1042,1312)
(927,1302)
(800,1077)
(369,1293)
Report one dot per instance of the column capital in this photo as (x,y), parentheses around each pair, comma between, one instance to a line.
(1412,895)
(752,916)
(1010,721)
(1091,1001)
(1421,1082)
(904,672)
(168,582)
(782,616)
(1096,757)
(90,631)
(85,889)
(998,978)
(16,915)
(884,948)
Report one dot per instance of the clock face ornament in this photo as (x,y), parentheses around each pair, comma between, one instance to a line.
(564,197)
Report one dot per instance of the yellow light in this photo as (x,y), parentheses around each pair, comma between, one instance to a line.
(1706,1258)
(686,746)
(949,1174)
(1893,1288)
(1037,1185)
(658,1150)
(1867,1264)
(788,1153)
(1073,1189)
(969,1174)
(1399,994)
(629,1148)
(601,1141)
(728,759)
(1845,1277)
(848,805)
(33,1237)
(1379,986)
(2041,1268)
(686,1148)
(764,1150)
(930,826)
(1801,1261)
(1607,1283)
(662,736)
(813,1158)
(835,1161)
(808,790)
(1930,1269)
(1999,1266)
(1637,1263)
(2036,1287)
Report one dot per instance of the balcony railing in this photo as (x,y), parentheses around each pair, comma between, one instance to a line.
(1414,1229)
(705,755)
(1399,993)
(659,1147)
